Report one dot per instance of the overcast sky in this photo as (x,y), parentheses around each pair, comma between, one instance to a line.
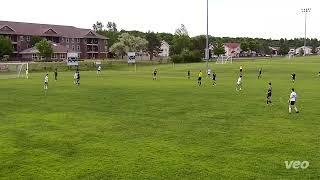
(233,18)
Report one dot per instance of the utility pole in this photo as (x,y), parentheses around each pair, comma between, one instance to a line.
(207,54)
(305,11)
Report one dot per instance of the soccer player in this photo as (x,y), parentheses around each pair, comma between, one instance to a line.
(260,73)
(214,76)
(241,70)
(27,73)
(293,77)
(269,94)
(46,82)
(189,74)
(292,101)
(75,77)
(155,72)
(56,74)
(99,70)
(200,78)
(78,78)
(239,84)
(319,74)
(209,73)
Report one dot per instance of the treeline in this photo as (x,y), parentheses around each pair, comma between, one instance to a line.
(182,44)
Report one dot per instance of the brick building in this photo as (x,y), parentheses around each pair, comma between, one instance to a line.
(87,43)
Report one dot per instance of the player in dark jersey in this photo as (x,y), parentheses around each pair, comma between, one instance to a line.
(260,73)
(269,94)
(56,74)
(155,72)
(214,76)
(293,77)
(189,74)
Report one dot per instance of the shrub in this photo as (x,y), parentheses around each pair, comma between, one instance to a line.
(187,56)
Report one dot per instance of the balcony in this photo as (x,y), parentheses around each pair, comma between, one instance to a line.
(92,49)
(92,41)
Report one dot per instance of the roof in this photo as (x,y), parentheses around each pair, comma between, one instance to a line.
(32,29)
(232,45)
(57,48)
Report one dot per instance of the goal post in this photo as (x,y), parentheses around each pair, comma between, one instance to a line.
(222,59)
(13,70)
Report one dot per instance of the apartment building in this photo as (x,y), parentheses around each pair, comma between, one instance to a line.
(87,43)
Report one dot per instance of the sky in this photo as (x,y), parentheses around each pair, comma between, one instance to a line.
(227,18)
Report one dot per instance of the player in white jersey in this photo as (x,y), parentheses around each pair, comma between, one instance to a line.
(46,82)
(75,78)
(239,84)
(209,73)
(99,70)
(292,101)
(27,73)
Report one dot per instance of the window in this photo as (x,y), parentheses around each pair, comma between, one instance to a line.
(28,46)
(62,39)
(67,40)
(78,48)
(78,40)
(62,56)
(72,40)
(54,56)
(34,56)
(68,46)
(21,38)
(28,38)
(73,48)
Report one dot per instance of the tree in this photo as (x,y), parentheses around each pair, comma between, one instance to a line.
(168,37)
(265,49)
(112,26)
(119,49)
(139,44)
(128,43)
(244,46)
(112,36)
(199,44)
(98,26)
(284,47)
(219,49)
(5,47)
(154,44)
(181,41)
(45,49)
(253,45)
(314,44)
(35,40)
(182,31)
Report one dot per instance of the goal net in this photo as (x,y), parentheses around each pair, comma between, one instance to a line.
(13,70)
(224,59)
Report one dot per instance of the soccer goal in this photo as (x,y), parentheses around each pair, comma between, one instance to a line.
(224,59)
(13,70)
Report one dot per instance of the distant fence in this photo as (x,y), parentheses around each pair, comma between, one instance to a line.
(89,65)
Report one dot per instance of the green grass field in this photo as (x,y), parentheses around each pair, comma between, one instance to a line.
(123,125)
